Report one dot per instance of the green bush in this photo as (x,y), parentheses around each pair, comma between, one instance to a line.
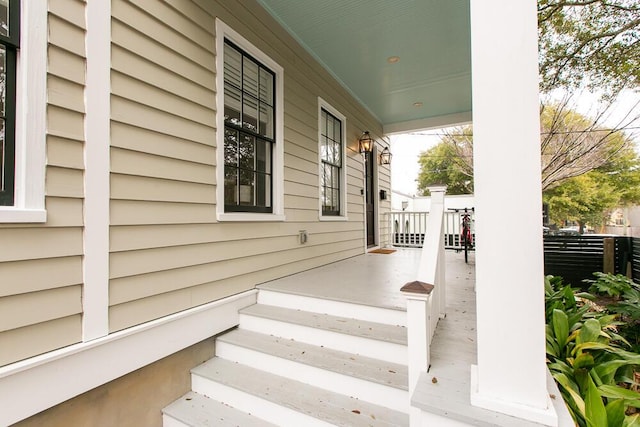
(588,360)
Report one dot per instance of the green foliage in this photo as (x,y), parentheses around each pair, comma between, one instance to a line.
(588,198)
(612,285)
(625,304)
(584,354)
(596,42)
(583,199)
(444,163)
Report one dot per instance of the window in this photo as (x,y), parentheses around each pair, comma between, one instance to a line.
(24,102)
(9,45)
(249,131)
(331,131)
(250,153)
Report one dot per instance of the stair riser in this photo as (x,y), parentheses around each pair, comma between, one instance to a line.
(258,407)
(335,308)
(168,421)
(378,394)
(389,352)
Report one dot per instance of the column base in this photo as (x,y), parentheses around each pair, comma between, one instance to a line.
(547,417)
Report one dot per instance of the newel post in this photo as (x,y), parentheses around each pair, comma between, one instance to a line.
(425,296)
(418,296)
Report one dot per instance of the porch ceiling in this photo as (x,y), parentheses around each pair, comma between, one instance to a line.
(354,39)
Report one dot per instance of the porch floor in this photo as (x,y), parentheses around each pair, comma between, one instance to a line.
(372,279)
(375,279)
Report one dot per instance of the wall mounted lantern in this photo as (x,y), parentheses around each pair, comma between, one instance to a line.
(365,143)
(385,156)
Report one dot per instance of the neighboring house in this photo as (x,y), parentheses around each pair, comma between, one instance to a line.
(624,222)
(161,158)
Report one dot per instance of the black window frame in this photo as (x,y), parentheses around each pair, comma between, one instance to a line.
(262,142)
(336,188)
(11,45)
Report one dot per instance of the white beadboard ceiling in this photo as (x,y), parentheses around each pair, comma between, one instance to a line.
(353,39)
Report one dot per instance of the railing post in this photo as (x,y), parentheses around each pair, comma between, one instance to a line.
(418,296)
(424,304)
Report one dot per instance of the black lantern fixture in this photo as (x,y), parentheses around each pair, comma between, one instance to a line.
(385,156)
(365,143)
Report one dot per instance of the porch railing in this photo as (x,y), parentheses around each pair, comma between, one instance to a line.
(426,299)
(408,229)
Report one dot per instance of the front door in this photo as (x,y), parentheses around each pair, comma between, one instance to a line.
(370,199)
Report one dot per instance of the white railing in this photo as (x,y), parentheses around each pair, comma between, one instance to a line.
(408,229)
(426,299)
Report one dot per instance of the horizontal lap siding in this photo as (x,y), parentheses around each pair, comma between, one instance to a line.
(168,252)
(41,271)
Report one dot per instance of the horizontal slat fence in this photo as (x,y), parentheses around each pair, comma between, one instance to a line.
(575,258)
(635,259)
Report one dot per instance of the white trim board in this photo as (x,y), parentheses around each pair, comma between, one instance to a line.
(95,298)
(36,384)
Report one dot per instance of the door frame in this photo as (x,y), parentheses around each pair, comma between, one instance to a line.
(374,199)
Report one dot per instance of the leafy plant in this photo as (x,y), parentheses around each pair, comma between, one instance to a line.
(626,304)
(612,285)
(596,376)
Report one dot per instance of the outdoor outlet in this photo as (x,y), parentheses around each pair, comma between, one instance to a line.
(303,237)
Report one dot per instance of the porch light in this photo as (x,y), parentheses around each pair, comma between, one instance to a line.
(385,156)
(365,143)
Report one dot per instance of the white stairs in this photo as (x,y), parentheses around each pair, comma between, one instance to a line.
(301,361)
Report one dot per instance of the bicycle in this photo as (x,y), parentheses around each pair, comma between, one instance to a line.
(466,236)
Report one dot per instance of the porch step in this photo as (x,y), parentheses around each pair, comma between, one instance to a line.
(371,379)
(382,341)
(300,301)
(196,410)
(284,401)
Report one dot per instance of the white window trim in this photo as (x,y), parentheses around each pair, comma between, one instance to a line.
(31,99)
(224,31)
(322,104)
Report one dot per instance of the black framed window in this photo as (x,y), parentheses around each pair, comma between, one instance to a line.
(249,132)
(9,45)
(331,159)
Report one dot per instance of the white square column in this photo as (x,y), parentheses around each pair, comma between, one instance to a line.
(511,373)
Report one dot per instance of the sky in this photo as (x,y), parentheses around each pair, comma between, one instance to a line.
(407,148)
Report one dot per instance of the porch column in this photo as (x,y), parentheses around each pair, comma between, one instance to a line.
(511,373)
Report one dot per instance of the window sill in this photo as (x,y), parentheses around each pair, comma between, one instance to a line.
(333,218)
(22,215)
(250,217)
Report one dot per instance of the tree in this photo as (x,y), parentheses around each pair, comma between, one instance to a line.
(448,162)
(592,42)
(573,144)
(583,199)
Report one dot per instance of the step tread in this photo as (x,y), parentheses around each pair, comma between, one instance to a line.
(365,368)
(361,328)
(322,404)
(196,410)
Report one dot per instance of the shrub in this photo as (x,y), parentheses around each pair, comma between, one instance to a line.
(595,374)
